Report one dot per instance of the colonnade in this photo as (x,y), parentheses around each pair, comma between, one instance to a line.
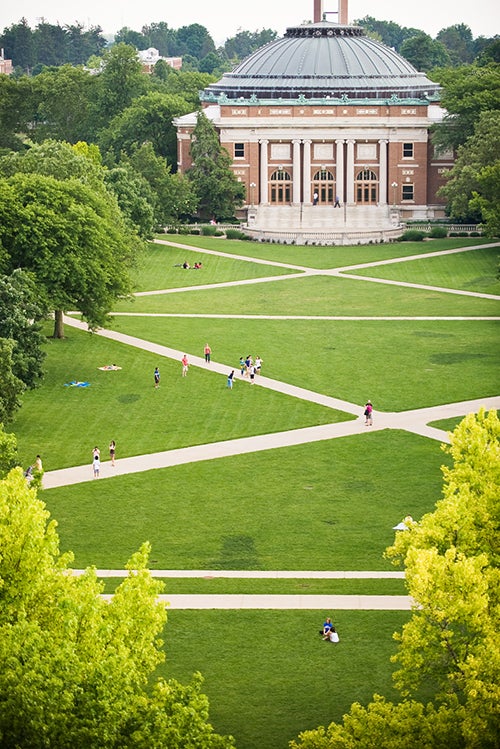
(345,176)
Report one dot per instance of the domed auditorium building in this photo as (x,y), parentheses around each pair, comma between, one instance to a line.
(328,130)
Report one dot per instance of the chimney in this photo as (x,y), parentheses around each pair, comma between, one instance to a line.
(343,13)
(318,11)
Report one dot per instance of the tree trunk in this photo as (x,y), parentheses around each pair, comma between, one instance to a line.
(58,324)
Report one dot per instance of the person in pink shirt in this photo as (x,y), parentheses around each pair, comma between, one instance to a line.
(207,351)
(185,365)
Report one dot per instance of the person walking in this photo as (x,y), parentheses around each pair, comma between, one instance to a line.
(185,365)
(230,378)
(368,414)
(207,351)
(337,202)
(112,451)
(157,378)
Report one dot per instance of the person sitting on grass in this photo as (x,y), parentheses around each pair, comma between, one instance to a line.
(332,635)
(327,626)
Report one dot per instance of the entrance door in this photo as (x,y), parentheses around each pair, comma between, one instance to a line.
(366,187)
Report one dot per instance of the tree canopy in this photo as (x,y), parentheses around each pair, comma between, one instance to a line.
(450,644)
(76,670)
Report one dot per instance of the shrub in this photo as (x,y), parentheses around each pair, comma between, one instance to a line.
(412,235)
(235,234)
(171,231)
(463,233)
(438,232)
(218,233)
(184,230)
(453,234)
(194,232)
(208,231)
(475,234)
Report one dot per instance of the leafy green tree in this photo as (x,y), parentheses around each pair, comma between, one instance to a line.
(8,452)
(148,118)
(11,387)
(188,84)
(121,81)
(83,43)
(19,45)
(219,193)
(160,36)
(173,194)
(72,238)
(134,197)
(467,91)
(194,40)
(21,312)
(51,44)
(388,32)
(16,110)
(132,38)
(244,43)
(63,97)
(75,670)
(459,42)
(424,53)
(473,186)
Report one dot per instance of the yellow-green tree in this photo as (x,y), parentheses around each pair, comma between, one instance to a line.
(75,671)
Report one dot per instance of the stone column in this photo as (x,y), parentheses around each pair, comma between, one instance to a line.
(306,175)
(382,181)
(264,181)
(350,172)
(339,182)
(296,172)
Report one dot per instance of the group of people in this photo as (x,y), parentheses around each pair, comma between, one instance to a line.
(196,266)
(329,632)
(96,458)
(316,200)
(250,367)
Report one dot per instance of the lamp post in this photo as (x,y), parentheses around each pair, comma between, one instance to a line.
(252,188)
(394,186)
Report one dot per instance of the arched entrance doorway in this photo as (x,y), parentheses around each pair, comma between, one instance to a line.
(324,185)
(366,187)
(281,187)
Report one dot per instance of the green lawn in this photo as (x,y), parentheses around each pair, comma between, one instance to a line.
(256,586)
(268,674)
(320,257)
(472,271)
(312,296)
(398,364)
(325,505)
(159,268)
(124,405)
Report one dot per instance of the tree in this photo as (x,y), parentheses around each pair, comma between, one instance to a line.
(21,311)
(11,387)
(63,103)
(19,46)
(219,193)
(473,186)
(8,452)
(51,44)
(424,53)
(244,43)
(72,238)
(16,110)
(75,670)
(148,118)
(173,194)
(134,197)
(467,91)
(194,40)
(459,42)
(121,81)
(451,559)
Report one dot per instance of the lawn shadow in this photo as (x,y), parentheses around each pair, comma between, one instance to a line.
(237,553)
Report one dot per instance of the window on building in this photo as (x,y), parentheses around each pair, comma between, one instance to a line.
(281,187)
(407,150)
(407,192)
(239,150)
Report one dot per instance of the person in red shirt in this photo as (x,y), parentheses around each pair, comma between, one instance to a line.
(207,351)
(185,365)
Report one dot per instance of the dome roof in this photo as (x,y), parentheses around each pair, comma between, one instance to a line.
(323,60)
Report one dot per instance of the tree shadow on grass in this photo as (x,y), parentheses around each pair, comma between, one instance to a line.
(457,357)
(237,553)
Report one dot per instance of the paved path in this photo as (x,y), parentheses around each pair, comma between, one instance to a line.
(317,602)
